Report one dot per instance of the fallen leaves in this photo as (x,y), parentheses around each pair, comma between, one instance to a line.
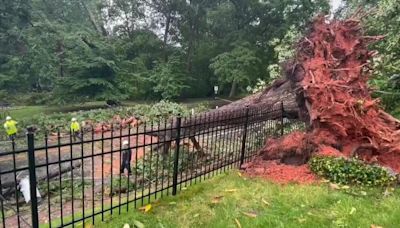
(231,190)
(324,181)
(146,208)
(375,226)
(334,186)
(265,202)
(353,210)
(88,225)
(250,214)
(345,187)
(216,199)
(238,223)
(301,220)
(137,224)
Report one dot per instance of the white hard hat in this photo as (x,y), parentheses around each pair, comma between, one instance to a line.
(125,142)
(8,118)
(73,119)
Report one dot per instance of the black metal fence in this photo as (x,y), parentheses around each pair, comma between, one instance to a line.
(74,182)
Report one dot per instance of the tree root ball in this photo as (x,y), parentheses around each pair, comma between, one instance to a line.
(329,74)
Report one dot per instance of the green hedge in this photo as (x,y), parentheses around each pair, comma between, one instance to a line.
(351,171)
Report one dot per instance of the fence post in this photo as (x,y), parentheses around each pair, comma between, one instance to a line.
(32,178)
(176,157)
(246,123)
(282,115)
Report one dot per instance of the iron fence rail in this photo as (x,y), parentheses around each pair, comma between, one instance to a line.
(81,181)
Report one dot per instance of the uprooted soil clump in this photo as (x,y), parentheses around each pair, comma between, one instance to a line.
(330,74)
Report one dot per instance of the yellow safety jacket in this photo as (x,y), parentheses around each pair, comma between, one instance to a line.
(75,127)
(11,127)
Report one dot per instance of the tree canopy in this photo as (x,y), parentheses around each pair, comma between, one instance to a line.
(67,51)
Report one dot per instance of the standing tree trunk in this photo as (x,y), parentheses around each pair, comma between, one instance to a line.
(61,57)
(166,33)
(233,89)
(189,53)
(99,28)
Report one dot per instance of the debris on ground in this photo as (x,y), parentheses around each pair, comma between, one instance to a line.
(281,173)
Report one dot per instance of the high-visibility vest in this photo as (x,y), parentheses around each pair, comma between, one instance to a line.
(75,127)
(11,127)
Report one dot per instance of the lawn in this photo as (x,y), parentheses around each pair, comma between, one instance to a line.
(26,112)
(231,200)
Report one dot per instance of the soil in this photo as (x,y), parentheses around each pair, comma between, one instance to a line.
(280,173)
(330,74)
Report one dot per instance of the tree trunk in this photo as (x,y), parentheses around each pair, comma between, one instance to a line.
(166,33)
(189,54)
(190,43)
(270,100)
(233,89)
(61,57)
(99,28)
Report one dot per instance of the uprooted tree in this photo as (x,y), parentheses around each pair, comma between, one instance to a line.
(326,86)
(329,75)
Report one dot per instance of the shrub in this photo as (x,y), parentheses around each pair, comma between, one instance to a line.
(351,171)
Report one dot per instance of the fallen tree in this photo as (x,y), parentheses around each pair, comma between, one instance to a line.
(270,101)
(326,86)
(329,75)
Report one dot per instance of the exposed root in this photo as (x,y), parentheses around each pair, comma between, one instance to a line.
(333,91)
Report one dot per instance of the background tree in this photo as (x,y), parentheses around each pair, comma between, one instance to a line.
(235,67)
(169,78)
(383,19)
(65,51)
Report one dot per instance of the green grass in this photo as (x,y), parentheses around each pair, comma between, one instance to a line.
(273,205)
(26,112)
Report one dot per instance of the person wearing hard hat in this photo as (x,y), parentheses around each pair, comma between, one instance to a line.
(126,157)
(75,129)
(11,128)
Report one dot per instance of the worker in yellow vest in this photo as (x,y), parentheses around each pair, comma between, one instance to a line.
(75,129)
(11,128)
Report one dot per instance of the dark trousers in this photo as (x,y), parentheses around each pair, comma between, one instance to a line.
(126,161)
(76,134)
(12,137)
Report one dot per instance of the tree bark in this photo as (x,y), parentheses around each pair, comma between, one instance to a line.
(268,102)
(233,89)
(166,33)
(189,53)
(99,28)
(61,57)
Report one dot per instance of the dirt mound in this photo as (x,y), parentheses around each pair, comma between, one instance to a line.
(330,73)
(280,173)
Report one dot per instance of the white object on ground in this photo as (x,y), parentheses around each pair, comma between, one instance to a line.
(24,186)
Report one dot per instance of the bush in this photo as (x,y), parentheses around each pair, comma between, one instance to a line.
(351,171)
